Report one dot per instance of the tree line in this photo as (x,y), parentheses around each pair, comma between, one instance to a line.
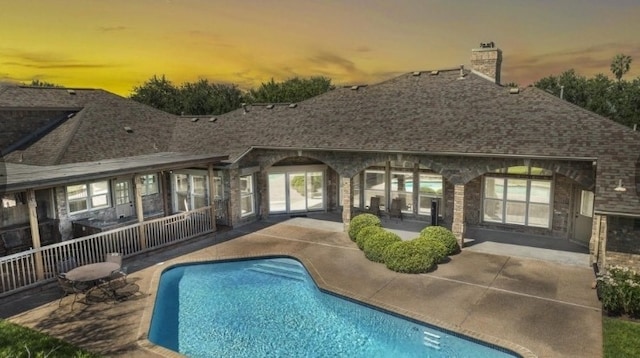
(617,99)
(203,97)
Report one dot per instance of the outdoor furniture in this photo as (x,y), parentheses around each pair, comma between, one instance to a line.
(114,257)
(374,206)
(71,288)
(396,208)
(94,275)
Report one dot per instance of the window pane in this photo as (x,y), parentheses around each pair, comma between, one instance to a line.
(122,193)
(150,184)
(101,187)
(515,213)
(246,184)
(494,188)
(406,201)
(77,205)
(541,171)
(297,191)
(76,191)
(99,201)
(246,204)
(374,183)
(402,182)
(431,185)
(182,182)
(517,189)
(540,191)
(315,185)
(199,201)
(199,185)
(586,203)
(538,215)
(277,193)
(182,201)
(217,186)
(493,210)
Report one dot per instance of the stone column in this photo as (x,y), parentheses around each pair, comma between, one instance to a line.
(598,241)
(263,193)
(140,210)
(347,201)
(458,225)
(234,197)
(212,204)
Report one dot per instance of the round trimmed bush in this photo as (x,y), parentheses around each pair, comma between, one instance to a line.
(362,221)
(439,249)
(409,257)
(375,244)
(365,233)
(443,235)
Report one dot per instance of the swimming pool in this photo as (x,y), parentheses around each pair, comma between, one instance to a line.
(272,307)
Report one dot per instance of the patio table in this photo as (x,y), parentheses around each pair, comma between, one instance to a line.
(92,272)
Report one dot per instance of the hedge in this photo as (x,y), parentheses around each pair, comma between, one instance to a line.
(365,233)
(440,250)
(443,235)
(413,256)
(375,245)
(362,221)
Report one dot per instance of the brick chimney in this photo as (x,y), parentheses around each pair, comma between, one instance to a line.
(487,61)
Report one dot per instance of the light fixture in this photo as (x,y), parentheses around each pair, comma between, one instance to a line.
(620,188)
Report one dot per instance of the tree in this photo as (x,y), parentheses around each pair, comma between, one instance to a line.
(38,83)
(569,86)
(203,97)
(620,65)
(290,91)
(158,92)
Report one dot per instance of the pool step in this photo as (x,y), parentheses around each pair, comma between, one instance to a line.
(281,268)
(431,340)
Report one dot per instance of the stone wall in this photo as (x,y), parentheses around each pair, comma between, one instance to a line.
(623,241)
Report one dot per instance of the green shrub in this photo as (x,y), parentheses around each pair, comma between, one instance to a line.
(375,245)
(409,257)
(619,290)
(443,235)
(437,246)
(362,221)
(365,233)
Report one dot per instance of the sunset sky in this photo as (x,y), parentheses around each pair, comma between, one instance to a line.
(119,44)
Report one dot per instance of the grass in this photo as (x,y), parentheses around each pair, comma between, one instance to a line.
(17,341)
(621,338)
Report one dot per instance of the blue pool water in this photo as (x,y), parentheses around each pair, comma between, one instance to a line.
(272,307)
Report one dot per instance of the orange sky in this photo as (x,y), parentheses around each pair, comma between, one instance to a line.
(118,44)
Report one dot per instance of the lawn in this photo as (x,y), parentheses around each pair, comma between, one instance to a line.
(17,341)
(621,338)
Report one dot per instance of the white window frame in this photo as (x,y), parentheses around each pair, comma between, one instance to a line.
(90,195)
(150,184)
(527,201)
(586,203)
(190,193)
(247,192)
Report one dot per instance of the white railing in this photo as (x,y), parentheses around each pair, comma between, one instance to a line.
(37,266)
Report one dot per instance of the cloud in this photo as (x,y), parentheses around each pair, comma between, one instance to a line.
(112,28)
(45,60)
(363,49)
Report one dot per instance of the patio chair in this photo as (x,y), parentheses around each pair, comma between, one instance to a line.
(71,288)
(114,257)
(396,208)
(374,206)
(118,279)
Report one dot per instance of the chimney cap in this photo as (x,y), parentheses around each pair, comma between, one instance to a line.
(489,44)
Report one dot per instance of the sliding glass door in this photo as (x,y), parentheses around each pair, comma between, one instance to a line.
(294,189)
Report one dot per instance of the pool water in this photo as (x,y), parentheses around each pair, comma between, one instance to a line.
(272,307)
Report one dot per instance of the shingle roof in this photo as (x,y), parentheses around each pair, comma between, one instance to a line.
(433,114)
(96,132)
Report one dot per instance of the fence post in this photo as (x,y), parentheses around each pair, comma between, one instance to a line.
(212,195)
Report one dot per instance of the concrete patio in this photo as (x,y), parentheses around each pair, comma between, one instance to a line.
(534,307)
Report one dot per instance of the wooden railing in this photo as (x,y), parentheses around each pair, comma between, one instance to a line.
(37,266)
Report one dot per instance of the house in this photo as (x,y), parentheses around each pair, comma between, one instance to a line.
(450,147)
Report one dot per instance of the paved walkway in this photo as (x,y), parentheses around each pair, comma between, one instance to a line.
(535,307)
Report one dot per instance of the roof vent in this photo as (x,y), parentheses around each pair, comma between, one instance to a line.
(244,108)
(435,73)
(416,73)
(293,105)
(128,129)
(355,88)
(71,91)
(270,106)
(514,90)
(194,119)
(70,115)
(461,73)
(213,119)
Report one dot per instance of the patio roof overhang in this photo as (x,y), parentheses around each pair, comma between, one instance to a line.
(17,177)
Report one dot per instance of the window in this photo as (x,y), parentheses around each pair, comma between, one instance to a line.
(246,195)
(149,184)
(82,197)
(402,188)
(374,185)
(586,204)
(517,201)
(430,190)
(190,191)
